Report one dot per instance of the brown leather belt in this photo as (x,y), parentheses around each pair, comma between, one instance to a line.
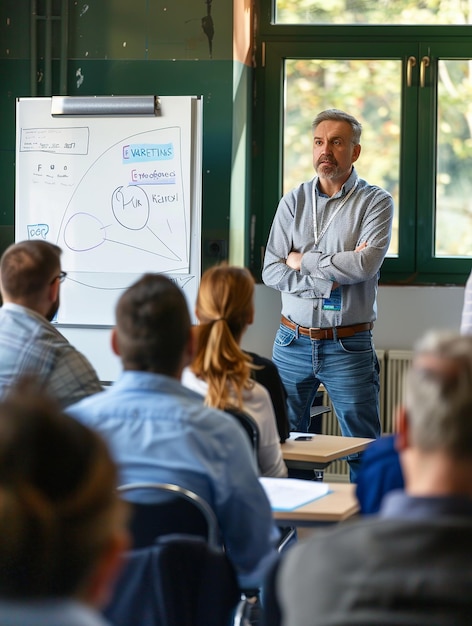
(328,333)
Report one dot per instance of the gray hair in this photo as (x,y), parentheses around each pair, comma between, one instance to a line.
(339,116)
(438,396)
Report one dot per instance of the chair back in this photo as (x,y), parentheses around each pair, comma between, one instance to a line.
(267,375)
(176,578)
(249,425)
(181,511)
(179,581)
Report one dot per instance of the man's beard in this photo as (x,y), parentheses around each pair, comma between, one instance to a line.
(53,310)
(327,167)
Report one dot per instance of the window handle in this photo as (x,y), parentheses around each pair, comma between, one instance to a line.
(410,64)
(424,64)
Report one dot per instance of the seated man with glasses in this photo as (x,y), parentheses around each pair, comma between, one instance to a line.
(30,276)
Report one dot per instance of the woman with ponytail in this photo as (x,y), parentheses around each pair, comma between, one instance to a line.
(221,371)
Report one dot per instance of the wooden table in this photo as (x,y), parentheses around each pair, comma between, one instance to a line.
(340,504)
(320,450)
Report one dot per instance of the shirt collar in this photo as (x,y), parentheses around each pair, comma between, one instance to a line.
(398,504)
(150,381)
(350,182)
(12,306)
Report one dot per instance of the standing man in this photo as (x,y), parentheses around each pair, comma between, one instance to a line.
(30,277)
(327,243)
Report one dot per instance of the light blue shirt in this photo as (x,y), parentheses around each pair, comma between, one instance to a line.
(159,431)
(48,613)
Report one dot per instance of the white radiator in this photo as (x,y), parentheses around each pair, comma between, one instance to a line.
(393,365)
(398,362)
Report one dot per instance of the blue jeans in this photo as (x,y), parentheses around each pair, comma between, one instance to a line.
(347,367)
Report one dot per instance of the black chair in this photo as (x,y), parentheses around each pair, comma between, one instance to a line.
(249,425)
(268,375)
(271,615)
(178,510)
(179,581)
(317,409)
(287,533)
(176,579)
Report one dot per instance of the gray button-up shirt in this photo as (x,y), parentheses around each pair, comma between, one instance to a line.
(327,231)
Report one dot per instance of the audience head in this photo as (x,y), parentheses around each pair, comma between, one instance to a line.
(225,307)
(62,526)
(438,396)
(335,115)
(152,331)
(30,273)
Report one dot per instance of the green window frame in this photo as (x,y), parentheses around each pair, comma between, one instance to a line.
(416,262)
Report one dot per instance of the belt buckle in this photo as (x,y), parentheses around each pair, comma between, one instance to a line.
(313,332)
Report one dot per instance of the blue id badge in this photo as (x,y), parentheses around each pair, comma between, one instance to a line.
(333,303)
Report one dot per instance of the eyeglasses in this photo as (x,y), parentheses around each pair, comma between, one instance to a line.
(61,276)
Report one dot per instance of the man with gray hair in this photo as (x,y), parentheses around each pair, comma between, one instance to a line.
(411,563)
(327,243)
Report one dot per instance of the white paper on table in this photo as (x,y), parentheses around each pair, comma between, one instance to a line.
(288,494)
(293,435)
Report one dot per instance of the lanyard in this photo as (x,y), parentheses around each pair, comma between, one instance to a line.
(333,215)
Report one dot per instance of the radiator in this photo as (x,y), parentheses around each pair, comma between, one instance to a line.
(398,362)
(393,366)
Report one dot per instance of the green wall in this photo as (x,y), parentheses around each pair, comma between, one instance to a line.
(141,47)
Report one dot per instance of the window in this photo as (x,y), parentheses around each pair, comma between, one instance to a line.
(411,87)
(315,84)
(372,12)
